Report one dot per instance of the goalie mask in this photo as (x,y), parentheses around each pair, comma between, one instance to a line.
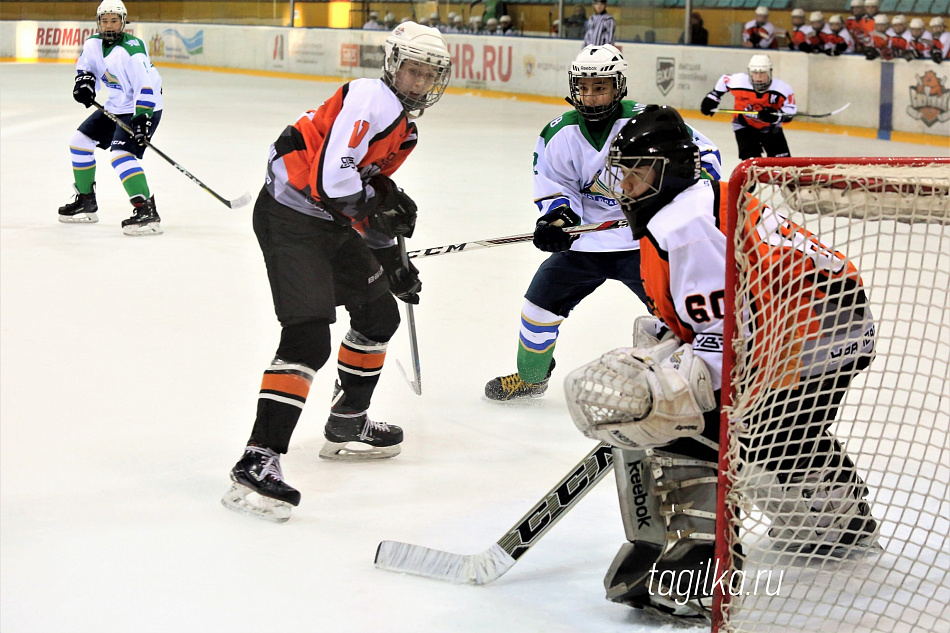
(417,66)
(111,7)
(594,71)
(651,160)
(760,72)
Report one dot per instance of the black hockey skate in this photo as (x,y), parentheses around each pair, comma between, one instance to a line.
(144,220)
(258,472)
(512,387)
(379,440)
(82,210)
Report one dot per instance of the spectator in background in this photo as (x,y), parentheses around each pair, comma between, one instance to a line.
(389,22)
(456,26)
(920,41)
(574,25)
(759,33)
(941,48)
(857,25)
(879,44)
(840,40)
(698,35)
(373,23)
(822,30)
(435,21)
(475,24)
(491,27)
(599,29)
(802,37)
(504,26)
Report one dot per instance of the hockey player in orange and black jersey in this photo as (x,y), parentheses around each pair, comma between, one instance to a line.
(326,221)
(879,42)
(770,99)
(855,23)
(657,403)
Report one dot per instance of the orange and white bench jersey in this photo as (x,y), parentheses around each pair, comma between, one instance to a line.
(778,96)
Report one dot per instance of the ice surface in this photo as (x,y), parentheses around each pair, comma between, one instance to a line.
(130,369)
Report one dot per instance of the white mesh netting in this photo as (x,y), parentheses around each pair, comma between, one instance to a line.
(827,457)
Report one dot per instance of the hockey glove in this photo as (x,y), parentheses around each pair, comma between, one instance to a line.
(936,55)
(84,90)
(708,106)
(141,128)
(754,39)
(805,47)
(404,282)
(769,115)
(872,53)
(396,212)
(549,236)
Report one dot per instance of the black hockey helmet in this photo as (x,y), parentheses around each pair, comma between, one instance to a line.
(656,138)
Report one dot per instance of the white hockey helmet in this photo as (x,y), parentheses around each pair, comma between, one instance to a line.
(937,24)
(856,4)
(492,22)
(916,23)
(760,64)
(762,12)
(434,16)
(798,13)
(111,7)
(505,19)
(899,23)
(816,16)
(598,60)
(836,21)
(881,21)
(413,42)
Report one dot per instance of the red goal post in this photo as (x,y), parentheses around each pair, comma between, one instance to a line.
(889,218)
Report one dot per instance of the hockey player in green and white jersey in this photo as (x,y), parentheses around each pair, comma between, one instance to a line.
(569,190)
(118,61)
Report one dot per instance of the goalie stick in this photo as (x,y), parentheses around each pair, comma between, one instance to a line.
(800,114)
(490,565)
(513,239)
(233,204)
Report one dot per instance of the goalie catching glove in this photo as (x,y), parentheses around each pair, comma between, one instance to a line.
(635,398)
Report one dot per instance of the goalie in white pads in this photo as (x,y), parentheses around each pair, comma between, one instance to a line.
(658,402)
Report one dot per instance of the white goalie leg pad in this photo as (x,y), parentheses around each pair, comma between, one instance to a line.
(240,498)
(668,504)
(641,398)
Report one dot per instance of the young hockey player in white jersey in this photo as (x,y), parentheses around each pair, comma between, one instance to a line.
(941,40)
(568,191)
(326,221)
(119,62)
(657,403)
(769,101)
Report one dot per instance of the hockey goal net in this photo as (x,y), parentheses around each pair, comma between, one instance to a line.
(834,512)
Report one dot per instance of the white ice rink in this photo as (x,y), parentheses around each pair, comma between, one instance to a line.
(130,371)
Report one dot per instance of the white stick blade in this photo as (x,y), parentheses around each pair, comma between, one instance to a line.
(473,569)
(243,201)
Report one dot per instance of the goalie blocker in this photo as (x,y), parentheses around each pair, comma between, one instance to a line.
(658,404)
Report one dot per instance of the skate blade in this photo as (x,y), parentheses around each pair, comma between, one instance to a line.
(79,218)
(146,229)
(240,498)
(343,452)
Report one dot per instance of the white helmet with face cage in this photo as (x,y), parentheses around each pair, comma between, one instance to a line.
(598,60)
(423,44)
(760,64)
(111,7)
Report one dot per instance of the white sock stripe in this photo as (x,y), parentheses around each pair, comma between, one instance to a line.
(292,368)
(376,348)
(284,400)
(358,372)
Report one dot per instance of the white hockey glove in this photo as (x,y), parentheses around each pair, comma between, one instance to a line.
(649,331)
(637,398)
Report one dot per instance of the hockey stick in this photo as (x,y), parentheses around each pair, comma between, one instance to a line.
(753,113)
(490,565)
(238,202)
(413,342)
(514,239)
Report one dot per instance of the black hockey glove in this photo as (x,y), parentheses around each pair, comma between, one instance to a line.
(936,55)
(84,90)
(141,128)
(549,236)
(769,115)
(910,54)
(403,282)
(754,39)
(805,47)
(872,53)
(396,212)
(708,105)
(840,48)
